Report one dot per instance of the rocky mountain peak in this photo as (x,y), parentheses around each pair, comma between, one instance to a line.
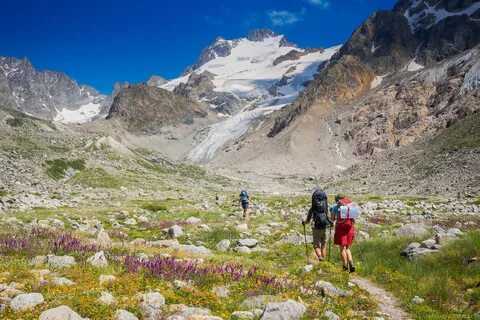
(260,34)
(46,94)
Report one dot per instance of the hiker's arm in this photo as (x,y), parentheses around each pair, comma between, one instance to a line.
(309,216)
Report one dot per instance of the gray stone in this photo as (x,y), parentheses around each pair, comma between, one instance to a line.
(328,289)
(288,310)
(415,230)
(175,231)
(124,315)
(417,300)
(221,292)
(330,315)
(250,243)
(60,313)
(257,302)
(26,301)
(60,261)
(107,298)
(98,260)
(151,304)
(61,281)
(223,245)
(242,315)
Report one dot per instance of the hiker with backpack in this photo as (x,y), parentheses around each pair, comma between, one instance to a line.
(245,203)
(319,214)
(344,213)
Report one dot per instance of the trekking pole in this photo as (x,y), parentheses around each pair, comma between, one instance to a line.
(306,245)
(329,243)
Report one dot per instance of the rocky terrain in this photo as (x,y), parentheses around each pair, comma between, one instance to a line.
(393,84)
(126,207)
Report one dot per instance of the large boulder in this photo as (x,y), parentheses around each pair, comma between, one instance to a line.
(288,310)
(60,313)
(412,230)
(26,301)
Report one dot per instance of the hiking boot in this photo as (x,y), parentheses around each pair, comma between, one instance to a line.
(352,267)
(345,268)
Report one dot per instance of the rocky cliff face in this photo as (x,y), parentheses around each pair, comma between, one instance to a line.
(145,109)
(46,94)
(414,35)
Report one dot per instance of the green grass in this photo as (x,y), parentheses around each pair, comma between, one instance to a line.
(444,280)
(97,178)
(56,168)
(464,134)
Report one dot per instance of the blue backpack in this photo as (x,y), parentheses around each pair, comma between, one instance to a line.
(244,196)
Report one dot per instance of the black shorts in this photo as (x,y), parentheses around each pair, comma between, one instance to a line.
(245,205)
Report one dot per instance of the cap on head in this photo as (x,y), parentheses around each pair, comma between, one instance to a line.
(339,197)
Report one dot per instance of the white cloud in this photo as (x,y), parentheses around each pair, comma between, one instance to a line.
(324,4)
(283,17)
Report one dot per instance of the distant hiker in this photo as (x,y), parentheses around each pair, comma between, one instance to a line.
(245,203)
(344,213)
(319,214)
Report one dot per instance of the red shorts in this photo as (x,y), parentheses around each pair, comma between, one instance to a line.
(344,232)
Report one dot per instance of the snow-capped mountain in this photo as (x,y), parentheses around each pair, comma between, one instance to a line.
(47,94)
(245,79)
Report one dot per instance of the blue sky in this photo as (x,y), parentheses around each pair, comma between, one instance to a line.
(104,41)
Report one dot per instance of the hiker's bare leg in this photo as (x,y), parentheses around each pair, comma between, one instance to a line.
(318,252)
(343,252)
(324,250)
(349,255)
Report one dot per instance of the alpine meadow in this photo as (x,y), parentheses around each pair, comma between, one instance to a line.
(333,174)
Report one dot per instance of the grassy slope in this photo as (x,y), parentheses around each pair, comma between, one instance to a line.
(449,285)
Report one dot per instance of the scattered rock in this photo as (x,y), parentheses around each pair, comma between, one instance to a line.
(105,279)
(60,261)
(257,302)
(98,260)
(241,227)
(151,305)
(417,300)
(223,245)
(124,315)
(249,243)
(416,230)
(60,313)
(288,310)
(169,243)
(330,315)
(328,289)
(175,231)
(193,220)
(103,240)
(26,301)
(61,281)
(107,298)
(221,292)
(242,315)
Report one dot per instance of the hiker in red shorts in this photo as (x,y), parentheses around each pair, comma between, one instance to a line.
(344,232)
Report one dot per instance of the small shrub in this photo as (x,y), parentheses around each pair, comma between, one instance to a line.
(56,168)
(14,122)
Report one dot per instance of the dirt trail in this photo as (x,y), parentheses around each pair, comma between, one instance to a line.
(387,303)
